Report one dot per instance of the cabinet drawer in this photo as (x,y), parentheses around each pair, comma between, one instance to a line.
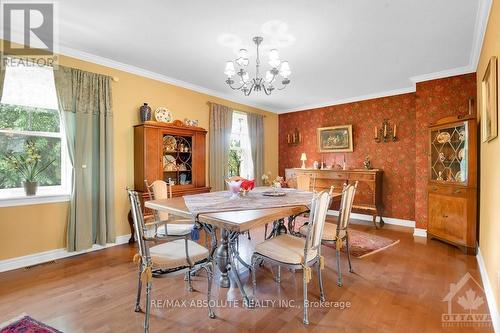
(447,190)
(361,177)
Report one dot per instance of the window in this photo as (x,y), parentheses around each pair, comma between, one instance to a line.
(240,156)
(29,113)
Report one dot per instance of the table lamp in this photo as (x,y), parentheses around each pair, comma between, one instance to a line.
(303,158)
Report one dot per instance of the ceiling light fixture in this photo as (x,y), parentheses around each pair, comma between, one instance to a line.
(280,71)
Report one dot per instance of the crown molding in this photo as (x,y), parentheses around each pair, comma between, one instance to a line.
(81,55)
(483,14)
(350,100)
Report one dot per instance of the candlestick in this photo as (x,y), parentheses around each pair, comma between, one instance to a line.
(395,126)
(376,132)
(385,131)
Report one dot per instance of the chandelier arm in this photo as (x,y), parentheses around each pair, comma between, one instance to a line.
(236,88)
(249,90)
(267,92)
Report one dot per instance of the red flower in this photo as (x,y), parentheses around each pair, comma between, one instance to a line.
(247,185)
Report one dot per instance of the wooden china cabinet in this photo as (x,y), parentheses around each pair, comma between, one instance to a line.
(452,186)
(170,151)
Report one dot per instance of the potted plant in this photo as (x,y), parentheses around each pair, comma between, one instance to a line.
(28,166)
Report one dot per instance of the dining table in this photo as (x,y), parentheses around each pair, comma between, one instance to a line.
(234,215)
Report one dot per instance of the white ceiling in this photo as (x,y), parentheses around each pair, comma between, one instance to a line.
(338,50)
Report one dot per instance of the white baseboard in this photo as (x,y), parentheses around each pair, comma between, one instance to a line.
(388,220)
(417,232)
(490,297)
(41,257)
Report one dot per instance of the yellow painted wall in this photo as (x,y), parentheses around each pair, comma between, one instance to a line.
(29,229)
(489,238)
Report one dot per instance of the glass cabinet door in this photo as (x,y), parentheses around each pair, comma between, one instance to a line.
(448,161)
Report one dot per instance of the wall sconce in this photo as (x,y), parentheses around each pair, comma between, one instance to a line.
(386,133)
(294,138)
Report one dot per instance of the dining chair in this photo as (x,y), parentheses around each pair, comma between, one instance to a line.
(297,253)
(336,234)
(175,255)
(304,182)
(164,223)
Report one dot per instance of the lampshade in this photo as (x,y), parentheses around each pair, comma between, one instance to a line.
(285,69)
(243,53)
(242,57)
(274,58)
(245,77)
(303,157)
(229,70)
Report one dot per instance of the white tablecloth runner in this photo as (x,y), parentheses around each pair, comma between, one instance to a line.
(215,202)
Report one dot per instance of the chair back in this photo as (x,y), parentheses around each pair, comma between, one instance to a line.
(156,191)
(317,217)
(139,225)
(346,203)
(303,182)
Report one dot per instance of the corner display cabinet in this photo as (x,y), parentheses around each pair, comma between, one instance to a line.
(452,186)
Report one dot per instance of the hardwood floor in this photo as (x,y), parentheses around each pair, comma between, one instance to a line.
(396,290)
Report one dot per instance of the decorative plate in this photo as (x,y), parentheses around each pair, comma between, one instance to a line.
(461,154)
(461,135)
(458,177)
(169,163)
(443,137)
(273,194)
(169,143)
(163,115)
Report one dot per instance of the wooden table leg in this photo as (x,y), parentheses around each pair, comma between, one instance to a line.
(222,260)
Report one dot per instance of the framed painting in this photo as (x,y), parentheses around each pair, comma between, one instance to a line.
(489,102)
(335,139)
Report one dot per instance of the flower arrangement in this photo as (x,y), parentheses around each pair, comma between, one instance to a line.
(248,185)
(28,166)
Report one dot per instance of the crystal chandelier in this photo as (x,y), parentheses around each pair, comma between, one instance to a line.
(280,71)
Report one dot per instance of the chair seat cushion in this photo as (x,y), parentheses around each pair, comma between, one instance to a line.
(173,254)
(285,248)
(329,231)
(175,229)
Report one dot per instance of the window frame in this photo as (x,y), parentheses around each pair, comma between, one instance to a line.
(45,194)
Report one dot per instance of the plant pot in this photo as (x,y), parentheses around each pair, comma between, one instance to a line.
(30,187)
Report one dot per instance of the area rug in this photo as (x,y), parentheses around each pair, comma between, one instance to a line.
(26,324)
(363,244)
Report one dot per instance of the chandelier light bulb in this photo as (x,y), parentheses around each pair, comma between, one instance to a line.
(229,70)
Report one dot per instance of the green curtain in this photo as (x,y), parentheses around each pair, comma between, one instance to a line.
(256,134)
(221,122)
(85,105)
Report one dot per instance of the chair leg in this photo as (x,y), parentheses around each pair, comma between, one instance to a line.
(249,237)
(278,277)
(339,272)
(188,278)
(148,307)
(348,254)
(305,320)
(320,281)
(139,290)
(209,269)
(254,279)
(265,231)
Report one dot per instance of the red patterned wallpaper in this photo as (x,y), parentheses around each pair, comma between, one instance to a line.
(405,161)
(436,99)
(397,159)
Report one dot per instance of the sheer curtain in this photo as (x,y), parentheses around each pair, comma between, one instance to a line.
(256,135)
(2,77)
(85,104)
(221,120)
